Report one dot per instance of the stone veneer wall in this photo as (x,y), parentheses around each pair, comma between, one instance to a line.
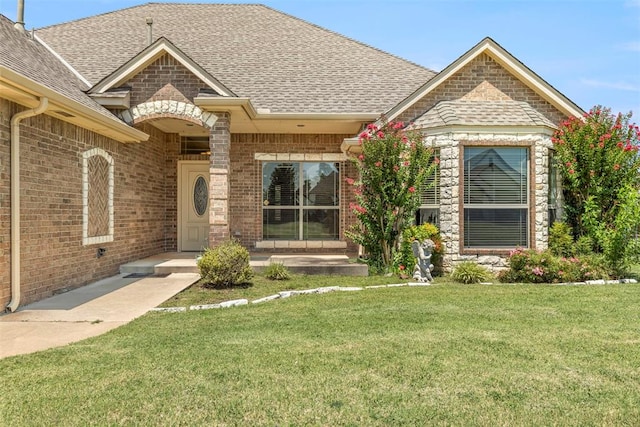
(245,204)
(52,255)
(450,203)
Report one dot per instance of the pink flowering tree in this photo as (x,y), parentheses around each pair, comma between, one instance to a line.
(392,167)
(598,159)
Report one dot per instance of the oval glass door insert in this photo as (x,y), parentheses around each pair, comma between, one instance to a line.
(200,196)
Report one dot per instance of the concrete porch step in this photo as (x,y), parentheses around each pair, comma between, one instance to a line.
(181,262)
(337,265)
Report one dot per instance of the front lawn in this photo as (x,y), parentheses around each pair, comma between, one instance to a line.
(439,355)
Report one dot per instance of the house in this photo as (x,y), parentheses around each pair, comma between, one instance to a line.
(170,127)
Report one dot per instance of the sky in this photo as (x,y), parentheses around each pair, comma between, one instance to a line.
(587,49)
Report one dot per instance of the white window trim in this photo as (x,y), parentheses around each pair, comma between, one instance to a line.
(86,240)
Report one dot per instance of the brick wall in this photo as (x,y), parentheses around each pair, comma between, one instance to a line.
(482,79)
(164,79)
(53,256)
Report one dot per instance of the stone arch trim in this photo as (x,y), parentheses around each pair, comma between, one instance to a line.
(166,108)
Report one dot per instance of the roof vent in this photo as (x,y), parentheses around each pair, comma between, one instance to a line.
(20,16)
(149,31)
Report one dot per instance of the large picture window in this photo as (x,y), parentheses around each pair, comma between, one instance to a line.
(496,197)
(300,201)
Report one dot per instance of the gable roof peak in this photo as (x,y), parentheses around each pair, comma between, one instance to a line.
(149,54)
(506,60)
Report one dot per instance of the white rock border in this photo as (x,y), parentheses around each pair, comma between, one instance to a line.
(324,290)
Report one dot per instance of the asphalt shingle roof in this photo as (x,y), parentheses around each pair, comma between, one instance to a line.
(23,55)
(482,113)
(278,61)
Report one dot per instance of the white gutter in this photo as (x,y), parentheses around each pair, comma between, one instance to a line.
(15,199)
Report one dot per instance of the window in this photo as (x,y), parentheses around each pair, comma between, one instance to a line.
(97,197)
(300,201)
(496,207)
(429,211)
(555,190)
(194,145)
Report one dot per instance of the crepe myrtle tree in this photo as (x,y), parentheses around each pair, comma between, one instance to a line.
(598,159)
(393,167)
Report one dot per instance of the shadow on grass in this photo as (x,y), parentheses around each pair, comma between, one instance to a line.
(205,285)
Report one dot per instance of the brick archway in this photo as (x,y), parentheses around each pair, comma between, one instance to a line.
(168,109)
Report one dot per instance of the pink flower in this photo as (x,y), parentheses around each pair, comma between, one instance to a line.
(364,135)
(372,126)
(378,164)
(571,171)
(395,168)
(380,134)
(397,125)
(616,167)
(412,189)
(350,181)
(537,271)
(401,267)
(436,160)
(405,163)
(360,157)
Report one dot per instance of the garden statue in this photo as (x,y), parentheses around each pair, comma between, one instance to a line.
(422,251)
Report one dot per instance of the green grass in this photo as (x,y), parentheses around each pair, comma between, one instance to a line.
(262,287)
(440,355)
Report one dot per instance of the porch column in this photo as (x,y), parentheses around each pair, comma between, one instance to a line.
(219,164)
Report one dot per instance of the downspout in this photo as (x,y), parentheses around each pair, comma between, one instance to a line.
(15,199)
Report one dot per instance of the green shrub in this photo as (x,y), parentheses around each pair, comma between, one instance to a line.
(470,272)
(584,245)
(405,261)
(531,266)
(225,265)
(277,271)
(561,239)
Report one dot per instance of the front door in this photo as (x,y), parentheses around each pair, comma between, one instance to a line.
(193,205)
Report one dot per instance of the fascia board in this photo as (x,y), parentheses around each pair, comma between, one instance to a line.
(533,81)
(110,127)
(221,103)
(509,62)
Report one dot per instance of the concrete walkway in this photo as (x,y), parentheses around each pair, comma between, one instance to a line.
(85,312)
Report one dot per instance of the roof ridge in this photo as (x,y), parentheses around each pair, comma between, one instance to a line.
(92,16)
(347,38)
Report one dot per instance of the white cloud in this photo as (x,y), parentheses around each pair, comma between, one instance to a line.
(633,46)
(611,85)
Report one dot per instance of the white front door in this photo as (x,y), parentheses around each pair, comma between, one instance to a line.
(193,205)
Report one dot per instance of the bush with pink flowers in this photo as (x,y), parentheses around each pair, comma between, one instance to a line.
(598,159)
(392,167)
(532,266)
